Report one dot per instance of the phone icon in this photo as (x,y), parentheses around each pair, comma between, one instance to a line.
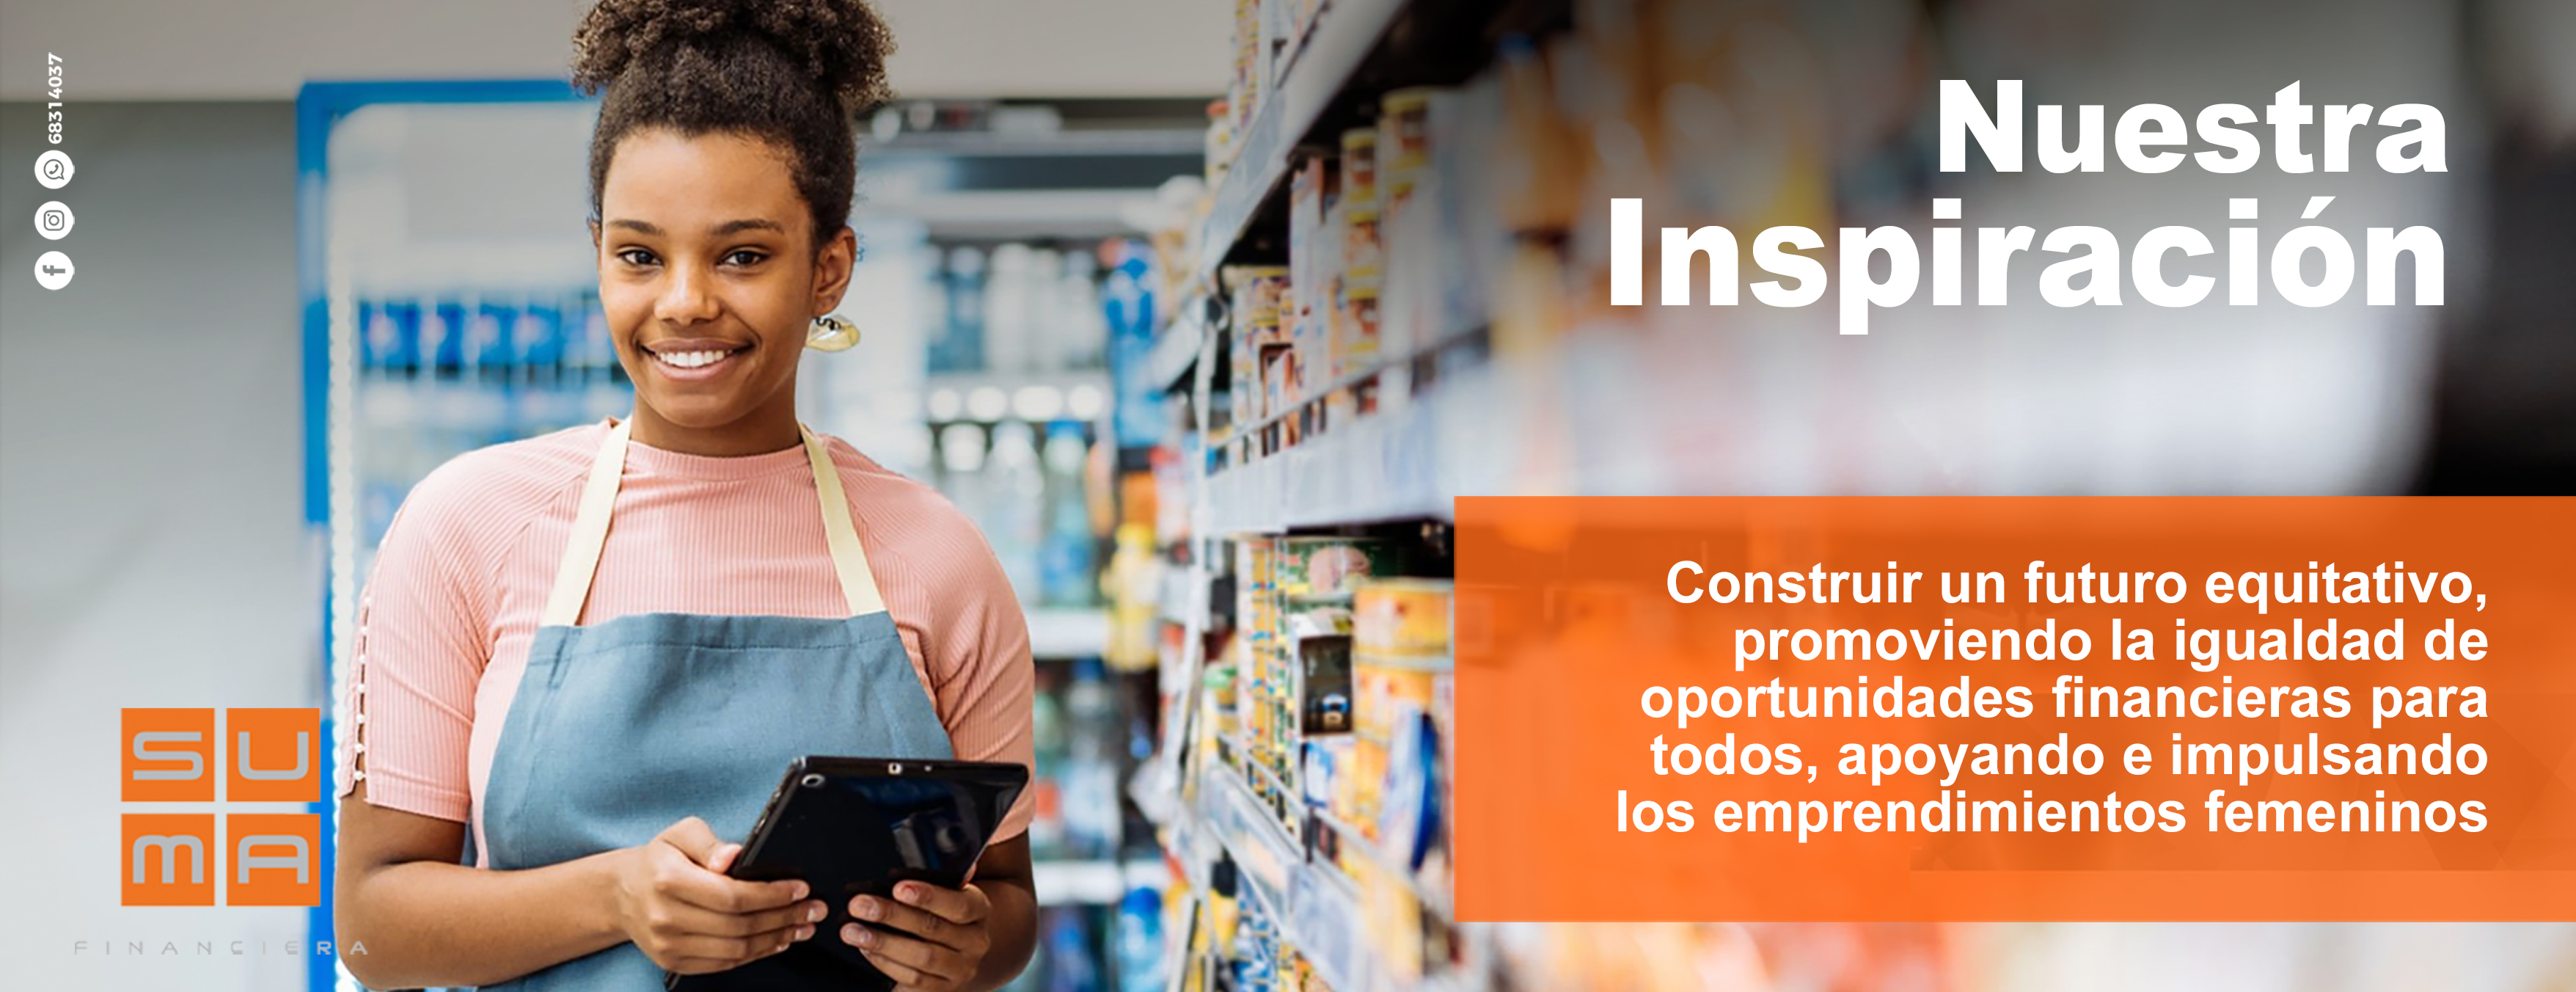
(54,169)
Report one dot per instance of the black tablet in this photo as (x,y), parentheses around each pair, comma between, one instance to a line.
(856,826)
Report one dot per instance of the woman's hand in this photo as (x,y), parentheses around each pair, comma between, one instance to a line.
(943,941)
(671,897)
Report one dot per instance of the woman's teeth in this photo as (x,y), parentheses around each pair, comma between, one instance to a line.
(691,359)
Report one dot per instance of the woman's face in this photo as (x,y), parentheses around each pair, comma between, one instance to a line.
(709,277)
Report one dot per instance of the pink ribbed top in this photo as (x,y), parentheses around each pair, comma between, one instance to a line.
(446,620)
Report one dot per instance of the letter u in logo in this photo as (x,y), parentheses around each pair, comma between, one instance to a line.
(276,755)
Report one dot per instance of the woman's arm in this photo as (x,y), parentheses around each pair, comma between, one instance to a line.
(1005,876)
(426,920)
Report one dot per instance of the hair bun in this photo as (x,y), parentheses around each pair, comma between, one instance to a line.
(841,44)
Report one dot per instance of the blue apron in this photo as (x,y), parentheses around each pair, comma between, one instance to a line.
(620,729)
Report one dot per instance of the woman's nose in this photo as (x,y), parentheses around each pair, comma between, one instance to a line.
(686,299)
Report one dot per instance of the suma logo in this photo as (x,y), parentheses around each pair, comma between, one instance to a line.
(177,755)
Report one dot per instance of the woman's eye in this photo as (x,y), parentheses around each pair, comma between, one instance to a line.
(745,257)
(636,256)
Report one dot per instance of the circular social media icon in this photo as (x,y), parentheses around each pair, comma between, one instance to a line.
(53,220)
(54,169)
(54,270)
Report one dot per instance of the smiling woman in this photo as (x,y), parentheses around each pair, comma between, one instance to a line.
(594,714)
(710,277)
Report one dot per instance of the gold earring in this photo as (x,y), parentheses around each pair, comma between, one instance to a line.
(832,332)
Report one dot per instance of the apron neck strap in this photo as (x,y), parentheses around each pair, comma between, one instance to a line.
(849,558)
(580,563)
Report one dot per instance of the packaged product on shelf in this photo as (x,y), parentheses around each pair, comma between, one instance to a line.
(1381,693)
(1356,338)
(1363,779)
(1392,919)
(1409,811)
(1328,567)
(1014,515)
(1325,680)
(1402,617)
(1536,181)
(1065,559)
(1313,262)
(487,339)
(1256,951)
(1434,865)
(1411,250)
(1256,295)
(1310,189)
(1139,941)
(961,341)
(1243,376)
(1218,150)
(1134,310)
(1132,576)
(1246,89)
(1403,144)
(1359,165)
(1385,700)
(1323,772)
(1352,258)
(1279,380)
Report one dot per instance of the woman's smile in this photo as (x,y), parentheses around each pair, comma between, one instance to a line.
(695,359)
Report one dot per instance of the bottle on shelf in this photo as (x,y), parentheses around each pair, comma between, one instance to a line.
(1042,328)
(1140,941)
(1046,778)
(1065,565)
(961,344)
(1008,310)
(1014,512)
(1082,338)
(1094,739)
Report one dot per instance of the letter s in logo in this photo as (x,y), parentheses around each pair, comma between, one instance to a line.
(168,756)
(143,751)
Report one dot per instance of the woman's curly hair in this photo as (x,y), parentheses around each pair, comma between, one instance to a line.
(796,73)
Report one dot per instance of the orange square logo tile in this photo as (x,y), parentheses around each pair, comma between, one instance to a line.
(168,859)
(169,755)
(174,859)
(275,859)
(276,755)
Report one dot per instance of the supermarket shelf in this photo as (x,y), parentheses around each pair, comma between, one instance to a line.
(1343,35)
(1018,213)
(1061,632)
(1076,394)
(1094,883)
(1317,907)
(1316,394)
(1189,141)
(1179,344)
(1434,898)
(1411,459)
(1264,857)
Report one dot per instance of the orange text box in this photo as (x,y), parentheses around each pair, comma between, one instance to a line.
(275,859)
(2015,709)
(276,755)
(168,755)
(167,859)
